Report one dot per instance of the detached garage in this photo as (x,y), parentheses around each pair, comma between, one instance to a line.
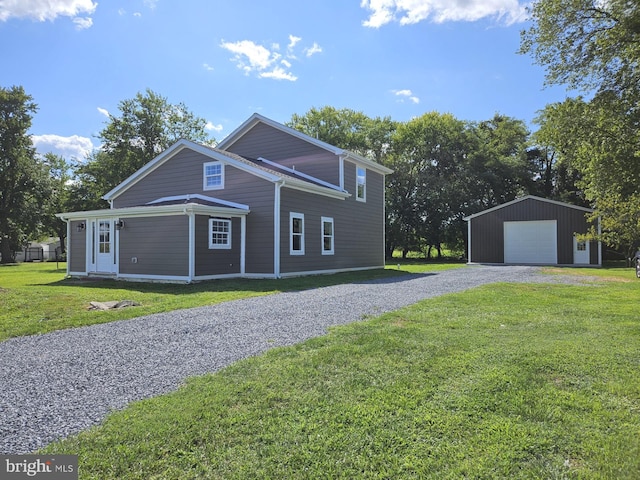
(531,231)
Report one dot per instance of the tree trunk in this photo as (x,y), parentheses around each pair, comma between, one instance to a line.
(6,251)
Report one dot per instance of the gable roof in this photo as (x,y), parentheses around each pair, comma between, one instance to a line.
(528,197)
(256,118)
(253,167)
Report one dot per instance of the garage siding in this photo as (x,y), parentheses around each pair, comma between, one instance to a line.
(487,230)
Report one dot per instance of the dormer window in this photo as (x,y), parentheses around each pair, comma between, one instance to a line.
(213,176)
(361,184)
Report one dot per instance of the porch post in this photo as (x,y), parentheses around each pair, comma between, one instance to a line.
(243,243)
(192,245)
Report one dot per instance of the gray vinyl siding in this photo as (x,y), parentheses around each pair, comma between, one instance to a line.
(272,144)
(183,174)
(216,261)
(358,228)
(487,231)
(77,247)
(324,166)
(160,245)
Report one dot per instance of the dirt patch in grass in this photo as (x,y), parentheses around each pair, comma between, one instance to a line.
(587,276)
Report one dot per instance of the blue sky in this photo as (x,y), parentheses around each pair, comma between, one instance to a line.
(226,59)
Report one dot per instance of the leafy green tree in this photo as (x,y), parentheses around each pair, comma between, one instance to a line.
(499,168)
(59,200)
(587,44)
(147,125)
(348,129)
(594,45)
(426,193)
(23,180)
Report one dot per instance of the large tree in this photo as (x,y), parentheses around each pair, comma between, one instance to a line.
(587,44)
(426,191)
(594,46)
(348,129)
(60,188)
(23,179)
(146,125)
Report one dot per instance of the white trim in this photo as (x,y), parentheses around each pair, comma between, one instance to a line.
(300,174)
(78,274)
(341,171)
(160,278)
(67,249)
(329,272)
(599,243)
(292,217)
(243,244)
(221,276)
(153,211)
(192,244)
(206,187)
(220,246)
(260,275)
(324,220)
(197,196)
(468,242)
(527,197)
(277,219)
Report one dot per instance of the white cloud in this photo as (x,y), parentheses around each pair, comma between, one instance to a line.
(293,40)
(278,73)
(408,12)
(406,95)
(150,4)
(103,111)
(268,62)
(83,23)
(207,67)
(315,48)
(43,10)
(253,58)
(211,127)
(74,146)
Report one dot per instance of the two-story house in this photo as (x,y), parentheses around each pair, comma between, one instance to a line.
(268,201)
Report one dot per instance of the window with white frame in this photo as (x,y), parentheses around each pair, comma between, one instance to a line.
(361,184)
(213,177)
(296,235)
(327,236)
(219,233)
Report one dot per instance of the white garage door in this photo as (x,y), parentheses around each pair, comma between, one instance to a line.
(531,242)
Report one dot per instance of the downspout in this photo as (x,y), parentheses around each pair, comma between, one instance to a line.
(276,229)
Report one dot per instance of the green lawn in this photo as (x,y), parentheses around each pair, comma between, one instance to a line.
(503,381)
(36,297)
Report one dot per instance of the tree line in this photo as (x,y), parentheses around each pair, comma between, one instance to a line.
(586,150)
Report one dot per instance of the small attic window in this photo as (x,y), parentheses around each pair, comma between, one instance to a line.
(213,177)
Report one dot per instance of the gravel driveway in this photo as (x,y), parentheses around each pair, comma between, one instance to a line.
(60,383)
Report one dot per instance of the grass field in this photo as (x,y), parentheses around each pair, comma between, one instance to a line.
(503,381)
(37,298)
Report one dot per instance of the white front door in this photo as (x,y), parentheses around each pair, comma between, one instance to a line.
(105,246)
(580,252)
